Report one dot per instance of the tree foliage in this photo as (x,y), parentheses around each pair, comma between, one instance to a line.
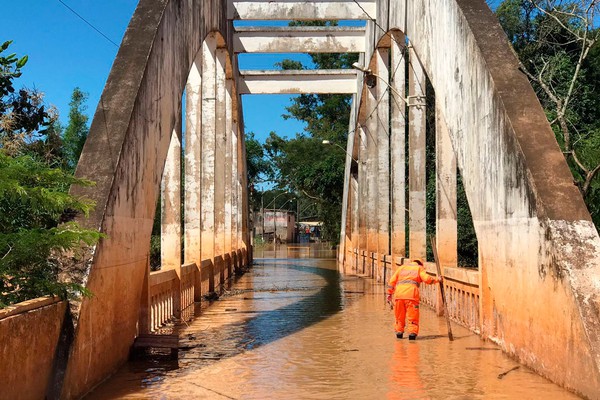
(557,42)
(35,207)
(304,165)
(77,130)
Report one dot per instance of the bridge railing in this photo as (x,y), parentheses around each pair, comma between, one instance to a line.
(461,285)
(164,291)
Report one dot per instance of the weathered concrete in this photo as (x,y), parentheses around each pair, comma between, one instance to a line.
(289,10)
(299,39)
(220,176)
(382,57)
(397,146)
(363,192)
(30,333)
(539,251)
(193,165)
(372,171)
(336,81)
(125,154)
(170,234)
(417,182)
(209,148)
(445,194)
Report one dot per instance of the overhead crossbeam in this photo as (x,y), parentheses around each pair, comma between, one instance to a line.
(299,39)
(331,81)
(291,10)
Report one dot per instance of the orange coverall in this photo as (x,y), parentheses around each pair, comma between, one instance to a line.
(404,286)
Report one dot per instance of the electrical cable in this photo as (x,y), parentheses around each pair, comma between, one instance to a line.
(88,23)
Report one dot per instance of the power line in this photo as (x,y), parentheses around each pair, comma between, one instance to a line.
(88,23)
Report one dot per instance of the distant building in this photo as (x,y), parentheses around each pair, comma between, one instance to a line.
(278,223)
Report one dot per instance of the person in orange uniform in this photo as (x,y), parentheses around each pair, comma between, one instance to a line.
(404,287)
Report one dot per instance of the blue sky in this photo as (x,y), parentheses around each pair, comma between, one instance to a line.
(64,53)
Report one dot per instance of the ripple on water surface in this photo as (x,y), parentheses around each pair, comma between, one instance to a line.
(295,329)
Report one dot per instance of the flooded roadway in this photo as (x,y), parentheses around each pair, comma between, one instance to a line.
(295,329)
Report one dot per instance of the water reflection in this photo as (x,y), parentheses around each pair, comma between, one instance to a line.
(295,329)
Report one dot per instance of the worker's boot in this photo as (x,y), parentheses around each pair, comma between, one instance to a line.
(399,335)
(412,336)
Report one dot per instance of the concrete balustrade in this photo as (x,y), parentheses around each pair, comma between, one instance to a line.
(461,285)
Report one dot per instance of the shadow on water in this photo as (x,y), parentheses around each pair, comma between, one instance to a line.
(261,327)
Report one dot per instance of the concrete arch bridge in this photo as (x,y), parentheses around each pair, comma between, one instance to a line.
(537,290)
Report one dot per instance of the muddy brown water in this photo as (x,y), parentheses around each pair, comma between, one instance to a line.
(296,329)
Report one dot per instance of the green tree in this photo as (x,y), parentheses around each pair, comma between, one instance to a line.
(303,164)
(557,42)
(33,201)
(77,129)
(23,116)
(35,207)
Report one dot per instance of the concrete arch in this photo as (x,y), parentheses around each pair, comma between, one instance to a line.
(125,154)
(539,250)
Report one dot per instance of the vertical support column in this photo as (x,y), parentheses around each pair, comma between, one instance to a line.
(228,175)
(235,210)
(208,157)
(397,147)
(445,183)
(416,161)
(363,199)
(345,247)
(243,205)
(193,169)
(383,156)
(354,192)
(170,235)
(371,178)
(220,164)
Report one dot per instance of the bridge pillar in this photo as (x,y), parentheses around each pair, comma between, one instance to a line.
(235,210)
(397,147)
(170,235)
(354,215)
(220,165)
(416,162)
(445,160)
(363,198)
(382,56)
(193,167)
(208,189)
(229,182)
(370,129)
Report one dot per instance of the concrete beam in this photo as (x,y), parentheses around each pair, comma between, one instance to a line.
(290,10)
(330,81)
(299,39)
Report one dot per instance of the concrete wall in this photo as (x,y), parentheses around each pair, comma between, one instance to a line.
(30,332)
(125,154)
(539,250)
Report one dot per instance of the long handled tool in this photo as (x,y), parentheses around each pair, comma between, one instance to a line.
(439,271)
